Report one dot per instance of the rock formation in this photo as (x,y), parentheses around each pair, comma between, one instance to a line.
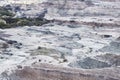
(81,41)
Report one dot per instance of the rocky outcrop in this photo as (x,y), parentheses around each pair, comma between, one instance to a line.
(89,63)
(50,72)
(87,12)
(12,42)
(79,33)
(112,59)
(113,47)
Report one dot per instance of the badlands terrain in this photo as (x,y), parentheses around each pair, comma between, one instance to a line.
(75,40)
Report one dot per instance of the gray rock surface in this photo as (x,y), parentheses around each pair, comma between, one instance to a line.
(82,34)
(50,72)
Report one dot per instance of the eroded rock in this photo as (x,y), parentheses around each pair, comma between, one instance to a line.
(89,63)
(50,72)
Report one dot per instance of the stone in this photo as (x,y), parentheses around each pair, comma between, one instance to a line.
(89,63)
(113,47)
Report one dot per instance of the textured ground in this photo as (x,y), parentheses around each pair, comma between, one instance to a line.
(50,72)
(83,35)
